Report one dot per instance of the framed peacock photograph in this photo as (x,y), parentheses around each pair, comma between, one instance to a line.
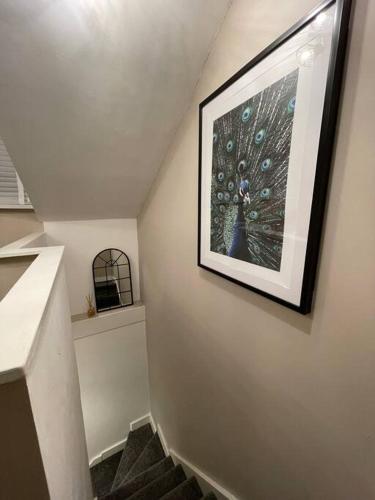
(266,138)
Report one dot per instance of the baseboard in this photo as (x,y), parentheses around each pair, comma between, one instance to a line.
(139,422)
(206,483)
(163,440)
(108,452)
(152,422)
(119,445)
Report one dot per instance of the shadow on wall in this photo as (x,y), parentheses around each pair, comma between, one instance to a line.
(342,146)
(303,323)
(15,224)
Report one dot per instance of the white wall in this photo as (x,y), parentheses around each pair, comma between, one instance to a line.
(112,366)
(271,404)
(82,241)
(52,381)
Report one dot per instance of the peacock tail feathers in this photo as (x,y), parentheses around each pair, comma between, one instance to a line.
(251,146)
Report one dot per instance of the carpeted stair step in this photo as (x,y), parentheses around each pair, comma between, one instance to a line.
(135,444)
(210,496)
(140,481)
(152,453)
(103,473)
(188,490)
(160,486)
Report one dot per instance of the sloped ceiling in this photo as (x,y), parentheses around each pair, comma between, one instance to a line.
(91,92)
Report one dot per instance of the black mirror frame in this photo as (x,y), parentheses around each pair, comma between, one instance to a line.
(130,280)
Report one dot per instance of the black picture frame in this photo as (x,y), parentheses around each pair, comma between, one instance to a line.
(341,25)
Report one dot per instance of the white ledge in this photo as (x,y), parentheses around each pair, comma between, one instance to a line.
(22,308)
(24,242)
(105,321)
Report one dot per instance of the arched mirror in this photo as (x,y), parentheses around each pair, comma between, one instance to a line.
(112,280)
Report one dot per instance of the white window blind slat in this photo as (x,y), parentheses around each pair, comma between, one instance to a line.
(12,193)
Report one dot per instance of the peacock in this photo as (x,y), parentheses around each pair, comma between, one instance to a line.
(251,147)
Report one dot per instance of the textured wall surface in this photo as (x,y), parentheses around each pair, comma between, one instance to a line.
(270,403)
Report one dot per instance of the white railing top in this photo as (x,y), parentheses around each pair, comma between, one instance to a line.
(22,308)
(24,242)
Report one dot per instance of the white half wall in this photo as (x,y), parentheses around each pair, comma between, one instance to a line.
(113,373)
(82,241)
(52,381)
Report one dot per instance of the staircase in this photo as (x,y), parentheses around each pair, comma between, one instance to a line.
(142,471)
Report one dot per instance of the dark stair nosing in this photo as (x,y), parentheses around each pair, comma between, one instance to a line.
(138,482)
(151,454)
(188,490)
(162,485)
(135,444)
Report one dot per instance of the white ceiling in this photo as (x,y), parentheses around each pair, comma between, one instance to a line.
(91,92)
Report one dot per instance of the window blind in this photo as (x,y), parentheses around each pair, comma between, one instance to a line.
(12,193)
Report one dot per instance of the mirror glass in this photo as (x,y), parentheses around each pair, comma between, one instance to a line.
(112,280)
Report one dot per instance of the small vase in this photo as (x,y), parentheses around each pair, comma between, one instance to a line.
(91,312)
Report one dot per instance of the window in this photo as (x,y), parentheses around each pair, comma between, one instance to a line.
(12,193)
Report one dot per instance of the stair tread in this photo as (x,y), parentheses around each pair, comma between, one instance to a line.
(141,480)
(160,486)
(188,490)
(152,453)
(103,473)
(135,444)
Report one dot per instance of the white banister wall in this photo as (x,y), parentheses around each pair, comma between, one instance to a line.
(54,393)
(38,373)
(109,351)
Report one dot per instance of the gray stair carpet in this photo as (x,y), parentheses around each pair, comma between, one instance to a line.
(135,444)
(140,481)
(188,490)
(160,486)
(152,453)
(143,472)
(103,473)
